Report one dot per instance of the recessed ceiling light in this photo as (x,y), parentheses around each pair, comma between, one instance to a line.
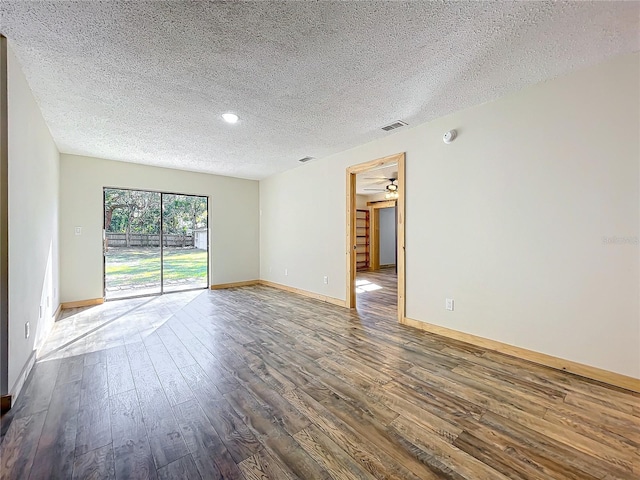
(230,117)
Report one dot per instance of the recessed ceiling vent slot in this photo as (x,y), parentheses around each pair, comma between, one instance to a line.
(305,159)
(394,125)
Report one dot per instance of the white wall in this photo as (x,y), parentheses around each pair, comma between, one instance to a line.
(361,201)
(514,220)
(33,223)
(233,219)
(387,236)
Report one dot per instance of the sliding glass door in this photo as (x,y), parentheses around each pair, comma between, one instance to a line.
(154,242)
(185,240)
(132,256)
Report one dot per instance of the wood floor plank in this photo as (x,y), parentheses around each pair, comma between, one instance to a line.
(442,452)
(261,367)
(366,426)
(209,453)
(263,466)
(571,459)
(628,406)
(574,423)
(94,424)
(56,448)
(231,429)
(132,453)
(273,436)
(350,394)
(283,412)
(370,457)
(455,409)
(164,435)
(152,338)
(18,449)
(551,375)
(620,460)
(497,459)
(475,391)
(521,454)
(175,387)
(360,376)
(96,356)
(179,352)
(513,383)
(627,424)
(277,362)
(71,369)
(446,428)
(389,365)
(233,432)
(182,469)
(326,453)
(118,371)
(138,357)
(97,464)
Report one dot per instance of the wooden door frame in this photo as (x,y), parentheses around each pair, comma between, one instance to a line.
(399,159)
(374,227)
(374,238)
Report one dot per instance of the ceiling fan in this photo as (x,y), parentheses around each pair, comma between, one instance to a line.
(391,190)
(382,178)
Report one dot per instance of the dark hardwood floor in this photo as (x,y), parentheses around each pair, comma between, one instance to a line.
(377,294)
(257,383)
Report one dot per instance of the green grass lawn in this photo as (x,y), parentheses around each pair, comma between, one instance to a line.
(130,268)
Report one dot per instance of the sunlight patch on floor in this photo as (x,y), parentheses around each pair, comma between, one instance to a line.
(363,286)
(111,324)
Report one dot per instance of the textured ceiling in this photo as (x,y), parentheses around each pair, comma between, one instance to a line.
(147,82)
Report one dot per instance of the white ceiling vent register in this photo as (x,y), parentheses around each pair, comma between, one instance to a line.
(394,125)
(305,159)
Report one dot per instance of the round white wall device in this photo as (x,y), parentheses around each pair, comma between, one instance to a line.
(449,136)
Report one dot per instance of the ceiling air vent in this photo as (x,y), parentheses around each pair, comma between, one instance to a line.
(394,125)
(305,159)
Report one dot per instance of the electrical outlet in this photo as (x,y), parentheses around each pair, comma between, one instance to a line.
(326,280)
(78,230)
(449,304)
(27,330)
(286,272)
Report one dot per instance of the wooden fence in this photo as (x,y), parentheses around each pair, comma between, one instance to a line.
(116,240)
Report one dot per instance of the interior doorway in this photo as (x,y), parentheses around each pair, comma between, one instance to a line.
(154,242)
(375,236)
